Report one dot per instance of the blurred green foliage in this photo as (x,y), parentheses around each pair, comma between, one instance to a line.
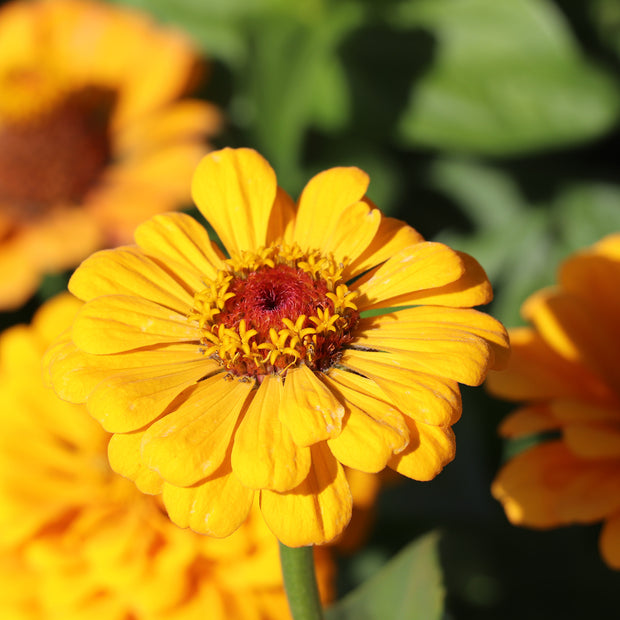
(491,125)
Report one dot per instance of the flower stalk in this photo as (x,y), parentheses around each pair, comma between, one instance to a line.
(300,582)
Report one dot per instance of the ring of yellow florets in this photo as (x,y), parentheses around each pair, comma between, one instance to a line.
(271,310)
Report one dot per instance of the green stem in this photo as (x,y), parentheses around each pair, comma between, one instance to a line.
(300,582)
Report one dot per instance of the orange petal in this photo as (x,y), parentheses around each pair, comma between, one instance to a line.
(117,323)
(322,202)
(570,329)
(308,409)
(217,506)
(235,190)
(593,441)
(535,371)
(548,486)
(609,542)
(190,443)
(264,454)
(317,511)
(430,449)
(528,421)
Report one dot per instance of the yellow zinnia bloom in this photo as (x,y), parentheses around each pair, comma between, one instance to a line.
(78,541)
(93,135)
(261,373)
(566,366)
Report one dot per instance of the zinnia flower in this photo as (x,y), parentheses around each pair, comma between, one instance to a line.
(262,373)
(566,367)
(78,541)
(93,136)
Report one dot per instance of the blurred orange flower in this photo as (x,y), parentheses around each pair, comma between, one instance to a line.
(78,541)
(259,374)
(566,366)
(93,135)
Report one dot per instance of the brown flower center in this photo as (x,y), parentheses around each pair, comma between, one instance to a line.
(55,155)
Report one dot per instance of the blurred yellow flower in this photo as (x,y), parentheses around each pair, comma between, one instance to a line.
(93,136)
(222,377)
(566,366)
(78,541)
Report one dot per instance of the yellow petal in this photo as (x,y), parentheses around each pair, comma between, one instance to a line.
(75,374)
(609,542)
(124,457)
(322,202)
(235,190)
(127,271)
(264,454)
(424,397)
(309,410)
(465,362)
(363,394)
(317,511)
(365,444)
(190,443)
(128,401)
(117,323)
(352,232)
(282,218)
(217,506)
(392,236)
(179,237)
(410,328)
(420,267)
(430,449)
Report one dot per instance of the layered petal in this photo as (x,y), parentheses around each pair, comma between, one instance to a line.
(321,504)
(129,323)
(308,408)
(124,457)
(430,449)
(127,271)
(129,400)
(190,442)
(422,267)
(264,455)
(217,506)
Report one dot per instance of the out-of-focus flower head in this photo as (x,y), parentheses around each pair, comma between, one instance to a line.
(266,372)
(94,134)
(78,541)
(566,367)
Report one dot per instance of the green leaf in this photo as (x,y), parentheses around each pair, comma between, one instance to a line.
(507,77)
(408,587)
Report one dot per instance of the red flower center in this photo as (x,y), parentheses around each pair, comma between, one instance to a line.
(271,294)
